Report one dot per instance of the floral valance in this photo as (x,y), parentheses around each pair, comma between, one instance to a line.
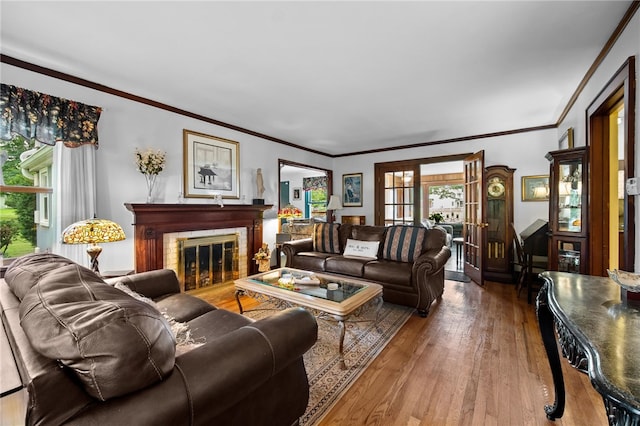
(316,182)
(47,119)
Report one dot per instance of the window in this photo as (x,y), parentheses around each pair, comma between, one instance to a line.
(25,194)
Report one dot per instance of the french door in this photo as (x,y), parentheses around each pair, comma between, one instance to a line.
(474,224)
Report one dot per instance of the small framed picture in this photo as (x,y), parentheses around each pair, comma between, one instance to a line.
(535,188)
(566,141)
(352,190)
(297,193)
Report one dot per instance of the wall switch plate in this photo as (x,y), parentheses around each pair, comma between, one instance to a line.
(632,186)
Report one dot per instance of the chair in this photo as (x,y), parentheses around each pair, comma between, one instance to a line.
(527,267)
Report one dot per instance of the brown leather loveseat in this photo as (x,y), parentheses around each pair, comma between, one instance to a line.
(92,352)
(409,262)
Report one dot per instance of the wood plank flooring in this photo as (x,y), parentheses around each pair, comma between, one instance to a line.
(477,359)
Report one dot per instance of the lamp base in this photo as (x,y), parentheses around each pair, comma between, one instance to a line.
(94,251)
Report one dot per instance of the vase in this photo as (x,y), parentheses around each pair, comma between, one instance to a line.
(151,182)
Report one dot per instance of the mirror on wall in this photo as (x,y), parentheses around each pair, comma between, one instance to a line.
(304,187)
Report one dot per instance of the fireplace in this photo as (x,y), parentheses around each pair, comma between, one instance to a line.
(158,227)
(206,257)
(206,261)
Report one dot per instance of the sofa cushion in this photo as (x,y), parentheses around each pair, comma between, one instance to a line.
(113,343)
(326,238)
(388,272)
(25,271)
(309,260)
(346,265)
(403,243)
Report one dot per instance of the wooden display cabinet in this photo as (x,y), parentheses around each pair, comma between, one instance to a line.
(568,225)
(498,253)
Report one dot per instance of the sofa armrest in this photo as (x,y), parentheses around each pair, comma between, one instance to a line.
(432,260)
(291,248)
(230,368)
(152,284)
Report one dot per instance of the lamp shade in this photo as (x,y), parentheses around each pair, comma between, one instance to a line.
(92,231)
(334,203)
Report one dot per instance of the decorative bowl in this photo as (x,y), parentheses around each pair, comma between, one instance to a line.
(627,280)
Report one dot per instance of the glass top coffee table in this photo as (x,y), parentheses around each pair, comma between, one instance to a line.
(326,294)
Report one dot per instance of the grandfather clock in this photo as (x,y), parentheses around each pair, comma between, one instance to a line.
(498,252)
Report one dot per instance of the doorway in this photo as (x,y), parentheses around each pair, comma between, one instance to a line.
(611,139)
(411,191)
(304,187)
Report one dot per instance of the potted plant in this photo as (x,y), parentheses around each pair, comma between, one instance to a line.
(436,217)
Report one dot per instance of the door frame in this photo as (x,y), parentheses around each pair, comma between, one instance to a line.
(621,88)
(329,174)
(414,164)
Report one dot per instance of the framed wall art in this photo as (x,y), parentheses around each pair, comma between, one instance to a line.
(566,141)
(297,193)
(211,166)
(352,190)
(535,188)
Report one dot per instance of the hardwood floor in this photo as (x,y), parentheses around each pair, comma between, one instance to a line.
(477,359)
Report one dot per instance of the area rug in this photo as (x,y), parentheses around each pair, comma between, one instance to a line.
(456,276)
(362,343)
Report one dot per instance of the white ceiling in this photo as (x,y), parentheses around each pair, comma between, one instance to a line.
(336,77)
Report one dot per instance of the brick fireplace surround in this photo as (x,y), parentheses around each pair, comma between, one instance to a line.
(152,221)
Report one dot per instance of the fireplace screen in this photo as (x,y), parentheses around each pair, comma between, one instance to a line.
(207,261)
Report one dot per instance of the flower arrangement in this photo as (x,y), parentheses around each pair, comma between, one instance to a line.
(289,212)
(150,161)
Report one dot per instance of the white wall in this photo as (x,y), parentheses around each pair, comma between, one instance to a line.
(523,152)
(125,125)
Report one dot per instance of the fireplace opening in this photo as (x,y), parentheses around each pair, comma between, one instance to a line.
(207,261)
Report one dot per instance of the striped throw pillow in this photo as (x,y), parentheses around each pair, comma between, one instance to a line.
(326,238)
(404,243)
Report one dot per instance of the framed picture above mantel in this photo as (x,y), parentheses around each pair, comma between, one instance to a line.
(211,166)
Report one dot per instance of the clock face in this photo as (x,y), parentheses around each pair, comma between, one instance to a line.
(496,188)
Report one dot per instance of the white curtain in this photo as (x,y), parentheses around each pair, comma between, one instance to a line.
(74,174)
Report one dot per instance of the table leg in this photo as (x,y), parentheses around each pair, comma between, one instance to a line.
(343,364)
(238,294)
(546,323)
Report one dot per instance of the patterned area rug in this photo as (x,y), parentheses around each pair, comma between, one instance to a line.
(362,343)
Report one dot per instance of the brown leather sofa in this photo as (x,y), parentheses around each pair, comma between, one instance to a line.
(415,280)
(90,353)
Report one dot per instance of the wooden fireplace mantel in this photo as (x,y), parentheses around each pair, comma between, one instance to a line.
(152,221)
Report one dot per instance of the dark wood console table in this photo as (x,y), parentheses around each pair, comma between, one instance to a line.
(598,334)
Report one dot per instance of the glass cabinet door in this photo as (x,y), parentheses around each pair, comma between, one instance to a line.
(570,196)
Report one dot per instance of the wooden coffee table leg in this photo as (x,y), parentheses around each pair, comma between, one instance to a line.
(343,365)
